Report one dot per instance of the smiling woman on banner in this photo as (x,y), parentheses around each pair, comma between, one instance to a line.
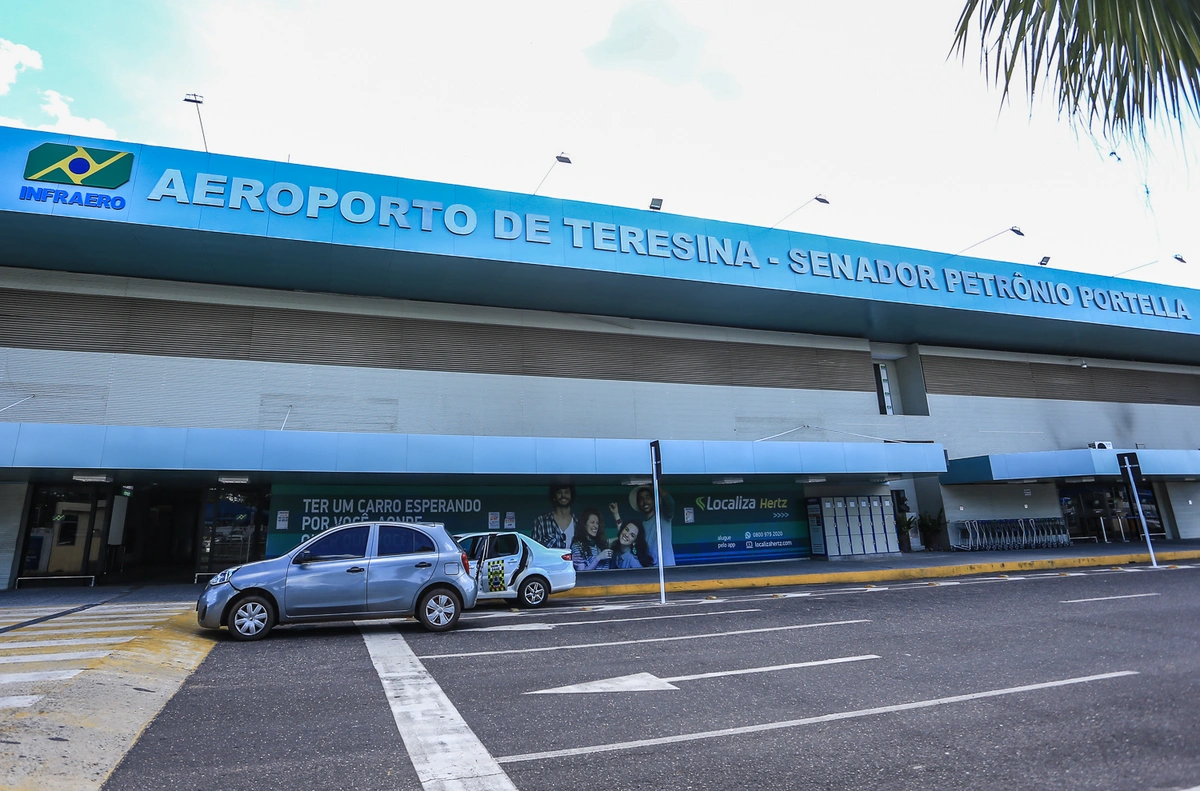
(589,550)
(629,550)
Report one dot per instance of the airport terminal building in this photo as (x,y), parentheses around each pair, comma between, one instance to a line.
(207,359)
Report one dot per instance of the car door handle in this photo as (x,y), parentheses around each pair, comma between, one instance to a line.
(424,564)
(355,570)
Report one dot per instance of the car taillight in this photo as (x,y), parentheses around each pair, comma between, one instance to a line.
(466,564)
(567,556)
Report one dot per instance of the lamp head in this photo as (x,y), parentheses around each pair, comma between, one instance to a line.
(194,98)
(1017,231)
(1045,260)
(1179,258)
(655,204)
(563,158)
(821,199)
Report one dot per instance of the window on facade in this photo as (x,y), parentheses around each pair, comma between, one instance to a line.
(883,389)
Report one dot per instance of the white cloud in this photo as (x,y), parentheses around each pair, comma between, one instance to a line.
(14,59)
(653,38)
(57,107)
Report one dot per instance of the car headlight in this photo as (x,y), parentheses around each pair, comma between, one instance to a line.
(223,577)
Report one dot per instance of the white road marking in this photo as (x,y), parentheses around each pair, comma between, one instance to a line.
(1109,598)
(635,642)
(19,701)
(47,675)
(65,657)
(445,752)
(774,726)
(4,645)
(38,630)
(644,682)
(530,627)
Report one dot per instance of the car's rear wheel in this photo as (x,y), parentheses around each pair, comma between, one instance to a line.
(250,618)
(439,609)
(533,592)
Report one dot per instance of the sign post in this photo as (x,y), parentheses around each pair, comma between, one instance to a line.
(656,471)
(1131,468)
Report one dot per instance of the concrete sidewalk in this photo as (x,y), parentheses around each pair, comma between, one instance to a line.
(914,565)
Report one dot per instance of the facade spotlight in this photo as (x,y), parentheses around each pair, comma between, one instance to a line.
(197,99)
(819,198)
(655,204)
(1045,260)
(561,157)
(1013,229)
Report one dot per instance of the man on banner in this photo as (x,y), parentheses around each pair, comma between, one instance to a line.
(556,529)
(641,499)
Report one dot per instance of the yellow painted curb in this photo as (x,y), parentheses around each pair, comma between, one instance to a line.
(877,575)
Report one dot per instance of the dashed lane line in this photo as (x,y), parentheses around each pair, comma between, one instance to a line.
(533,627)
(706,635)
(1110,598)
(445,752)
(774,726)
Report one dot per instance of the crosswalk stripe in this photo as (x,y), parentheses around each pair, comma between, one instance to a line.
(19,701)
(51,643)
(71,656)
(39,630)
(44,675)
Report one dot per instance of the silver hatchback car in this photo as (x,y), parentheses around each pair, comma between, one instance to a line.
(351,572)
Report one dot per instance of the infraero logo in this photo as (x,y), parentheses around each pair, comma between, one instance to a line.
(80,166)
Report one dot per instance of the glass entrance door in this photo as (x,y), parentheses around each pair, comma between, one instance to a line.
(65,532)
(233,529)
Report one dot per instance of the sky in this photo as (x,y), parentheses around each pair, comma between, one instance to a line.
(739,112)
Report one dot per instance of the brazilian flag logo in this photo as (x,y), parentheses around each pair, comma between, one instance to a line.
(83,167)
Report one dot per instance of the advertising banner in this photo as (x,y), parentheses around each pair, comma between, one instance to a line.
(603,526)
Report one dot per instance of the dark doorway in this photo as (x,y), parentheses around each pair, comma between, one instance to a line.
(157,540)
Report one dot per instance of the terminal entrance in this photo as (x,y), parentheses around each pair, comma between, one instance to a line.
(145,533)
(1105,513)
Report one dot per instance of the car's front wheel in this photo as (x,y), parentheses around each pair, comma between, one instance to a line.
(534,592)
(250,618)
(439,610)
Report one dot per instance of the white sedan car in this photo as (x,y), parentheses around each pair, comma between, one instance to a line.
(509,565)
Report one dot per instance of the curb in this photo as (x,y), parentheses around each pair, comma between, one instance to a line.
(875,575)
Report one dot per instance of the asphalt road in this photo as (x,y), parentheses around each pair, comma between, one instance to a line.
(974,683)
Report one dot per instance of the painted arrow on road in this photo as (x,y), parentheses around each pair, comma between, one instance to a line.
(648,682)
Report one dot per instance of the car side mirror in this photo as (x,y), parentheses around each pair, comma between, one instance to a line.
(303,557)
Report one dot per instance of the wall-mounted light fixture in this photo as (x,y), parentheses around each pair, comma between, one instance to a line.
(233,479)
(84,477)
(655,204)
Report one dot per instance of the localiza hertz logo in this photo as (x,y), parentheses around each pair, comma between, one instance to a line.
(80,166)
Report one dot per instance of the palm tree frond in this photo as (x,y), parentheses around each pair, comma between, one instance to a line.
(1118,64)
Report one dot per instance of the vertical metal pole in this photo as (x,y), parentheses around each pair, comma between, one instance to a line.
(1141,516)
(655,466)
(203,136)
